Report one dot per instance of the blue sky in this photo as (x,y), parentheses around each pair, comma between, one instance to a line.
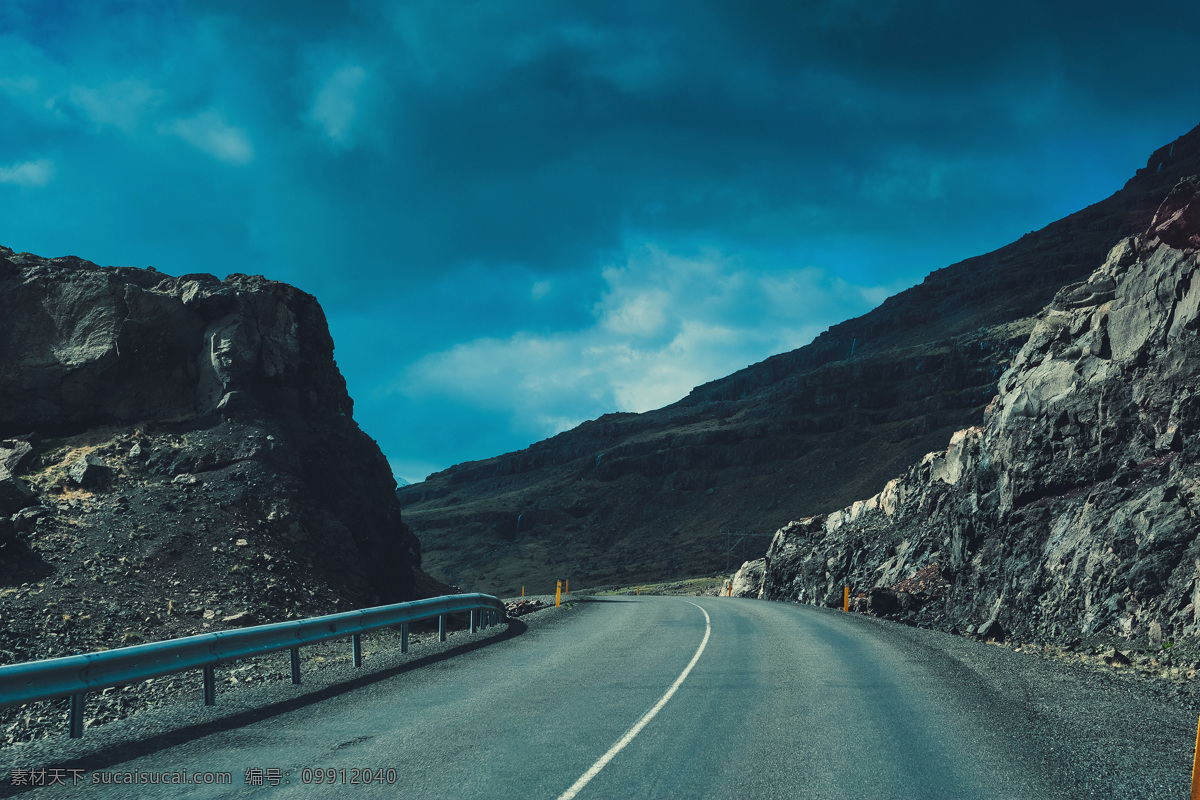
(521,215)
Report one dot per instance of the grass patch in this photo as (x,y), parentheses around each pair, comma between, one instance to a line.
(686,586)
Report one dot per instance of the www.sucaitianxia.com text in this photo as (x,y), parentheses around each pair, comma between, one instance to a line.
(65,776)
(254,776)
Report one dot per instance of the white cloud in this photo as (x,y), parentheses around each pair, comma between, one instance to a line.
(665,324)
(20,85)
(336,104)
(637,313)
(540,290)
(121,104)
(28,173)
(209,133)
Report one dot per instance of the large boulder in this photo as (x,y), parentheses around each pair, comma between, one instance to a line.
(89,471)
(15,454)
(149,376)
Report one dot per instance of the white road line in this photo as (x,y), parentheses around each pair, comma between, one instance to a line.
(641,723)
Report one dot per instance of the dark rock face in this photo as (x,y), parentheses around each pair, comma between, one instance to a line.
(208,407)
(1072,511)
(84,346)
(14,495)
(698,487)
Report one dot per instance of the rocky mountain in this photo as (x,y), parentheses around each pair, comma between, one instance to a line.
(700,485)
(178,454)
(1071,512)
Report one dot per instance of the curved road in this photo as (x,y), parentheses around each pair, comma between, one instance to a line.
(780,701)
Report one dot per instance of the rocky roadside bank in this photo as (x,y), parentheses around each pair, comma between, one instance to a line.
(1069,517)
(1172,667)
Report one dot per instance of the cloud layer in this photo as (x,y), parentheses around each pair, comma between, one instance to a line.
(522,215)
(664,324)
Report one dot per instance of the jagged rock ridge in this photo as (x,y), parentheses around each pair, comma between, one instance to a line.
(1071,512)
(698,486)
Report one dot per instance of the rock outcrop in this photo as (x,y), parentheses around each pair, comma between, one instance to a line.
(1071,512)
(748,580)
(193,448)
(699,486)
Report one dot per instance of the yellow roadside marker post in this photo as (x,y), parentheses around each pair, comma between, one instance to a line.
(567,589)
(729,589)
(558,595)
(846,598)
(522,591)
(638,591)
(1196,767)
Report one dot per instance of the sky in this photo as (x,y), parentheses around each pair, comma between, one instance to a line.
(521,215)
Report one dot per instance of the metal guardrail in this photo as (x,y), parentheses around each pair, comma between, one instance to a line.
(75,676)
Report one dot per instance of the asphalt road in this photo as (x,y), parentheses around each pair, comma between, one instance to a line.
(725,698)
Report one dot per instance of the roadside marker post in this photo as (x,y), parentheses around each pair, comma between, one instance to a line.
(567,589)
(522,592)
(1196,766)
(846,598)
(558,595)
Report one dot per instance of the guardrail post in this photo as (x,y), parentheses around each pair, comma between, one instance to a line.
(75,723)
(403,637)
(474,619)
(357,645)
(295,665)
(210,686)
(441,627)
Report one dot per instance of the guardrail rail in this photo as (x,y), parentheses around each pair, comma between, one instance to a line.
(75,676)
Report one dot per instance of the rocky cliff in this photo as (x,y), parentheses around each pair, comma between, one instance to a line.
(700,485)
(1071,511)
(175,453)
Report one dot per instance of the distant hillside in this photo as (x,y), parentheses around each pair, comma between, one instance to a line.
(700,485)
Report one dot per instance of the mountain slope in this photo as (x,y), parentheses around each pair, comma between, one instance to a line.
(699,485)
